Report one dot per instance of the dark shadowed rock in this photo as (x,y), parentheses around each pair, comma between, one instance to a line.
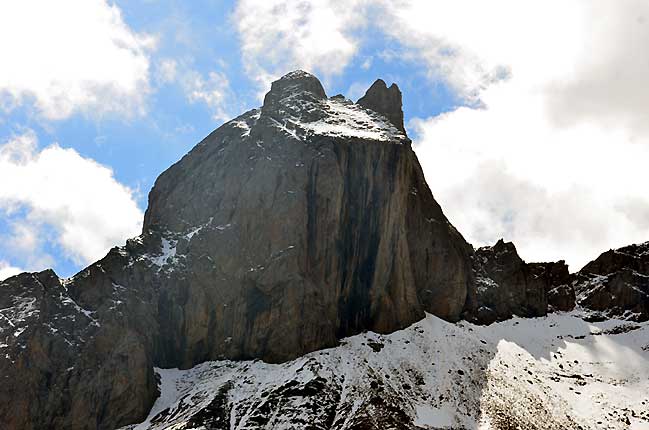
(68,363)
(386,101)
(561,298)
(616,284)
(557,283)
(505,285)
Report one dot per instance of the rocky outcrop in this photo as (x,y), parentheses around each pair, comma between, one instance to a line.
(505,285)
(73,358)
(284,230)
(616,284)
(386,101)
(557,283)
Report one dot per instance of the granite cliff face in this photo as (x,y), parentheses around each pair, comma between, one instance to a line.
(286,229)
(300,223)
(283,231)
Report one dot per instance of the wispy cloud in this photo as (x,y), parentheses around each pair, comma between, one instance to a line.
(211,89)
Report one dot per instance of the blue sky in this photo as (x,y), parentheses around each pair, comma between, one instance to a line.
(133,85)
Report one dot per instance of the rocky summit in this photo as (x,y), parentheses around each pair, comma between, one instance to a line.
(284,232)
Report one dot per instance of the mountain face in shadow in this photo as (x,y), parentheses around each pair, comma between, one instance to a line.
(285,230)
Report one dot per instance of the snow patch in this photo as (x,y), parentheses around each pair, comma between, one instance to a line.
(434,418)
(167,253)
(346,119)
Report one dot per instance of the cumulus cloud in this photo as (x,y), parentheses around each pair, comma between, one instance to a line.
(554,156)
(55,189)
(71,56)
(278,36)
(608,80)
(7,270)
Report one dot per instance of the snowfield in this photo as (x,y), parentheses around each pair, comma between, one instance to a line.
(555,372)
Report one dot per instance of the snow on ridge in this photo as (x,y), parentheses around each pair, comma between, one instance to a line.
(347,119)
(458,376)
(296,74)
(23,308)
(197,230)
(335,117)
(68,301)
(485,283)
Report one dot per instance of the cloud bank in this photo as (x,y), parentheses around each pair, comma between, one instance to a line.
(56,194)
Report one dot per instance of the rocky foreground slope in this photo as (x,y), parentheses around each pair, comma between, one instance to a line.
(551,373)
(285,230)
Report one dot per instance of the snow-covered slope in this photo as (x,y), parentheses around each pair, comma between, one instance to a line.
(556,372)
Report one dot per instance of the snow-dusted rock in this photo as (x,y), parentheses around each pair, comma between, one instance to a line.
(551,373)
(616,284)
(505,285)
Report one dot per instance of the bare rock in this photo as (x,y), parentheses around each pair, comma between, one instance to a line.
(505,285)
(386,101)
(616,284)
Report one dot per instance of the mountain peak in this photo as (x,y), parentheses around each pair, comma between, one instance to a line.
(386,101)
(298,74)
(297,102)
(295,82)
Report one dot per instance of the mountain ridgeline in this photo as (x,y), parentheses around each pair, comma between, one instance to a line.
(285,230)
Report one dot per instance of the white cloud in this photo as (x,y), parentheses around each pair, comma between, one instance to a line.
(7,270)
(87,209)
(555,157)
(279,36)
(71,56)
(213,91)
